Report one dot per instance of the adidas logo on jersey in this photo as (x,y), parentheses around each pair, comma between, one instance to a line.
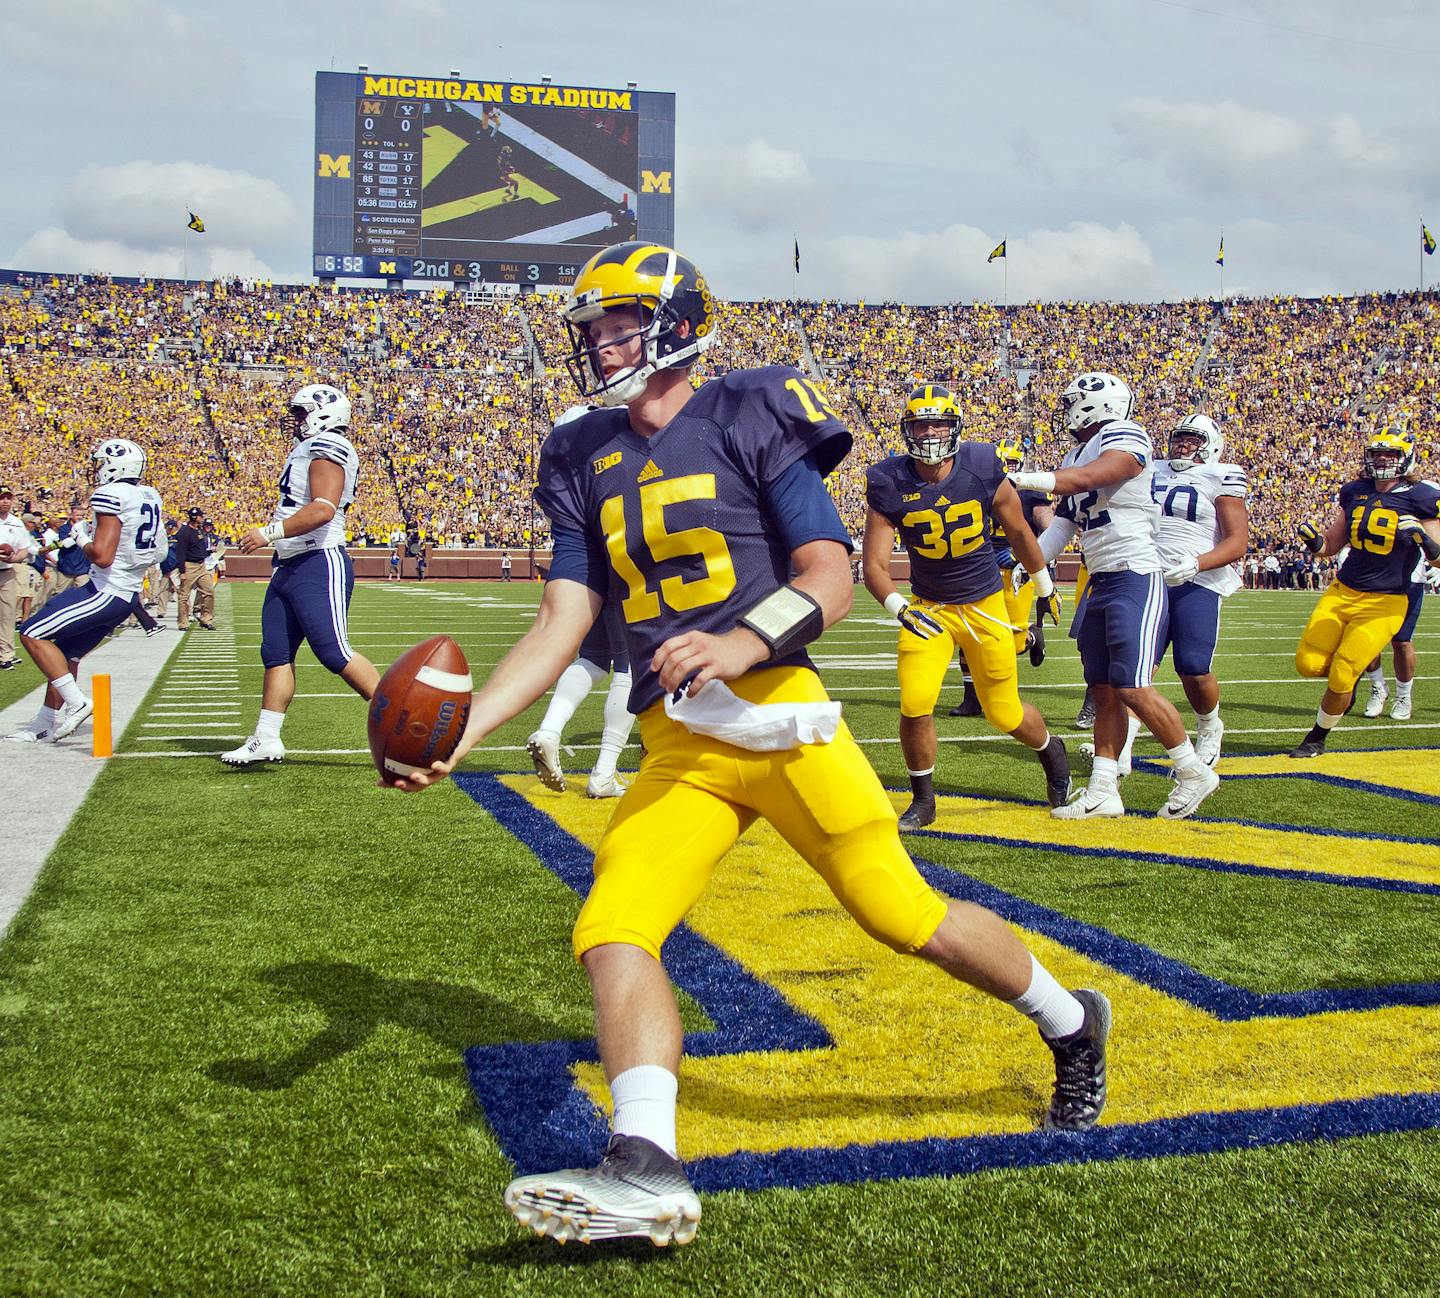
(650,472)
(942,502)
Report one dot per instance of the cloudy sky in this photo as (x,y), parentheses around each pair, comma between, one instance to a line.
(1108,140)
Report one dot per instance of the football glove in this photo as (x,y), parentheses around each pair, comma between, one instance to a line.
(1182,572)
(915,620)
(1049,606)
(1412,529)
(1310,536)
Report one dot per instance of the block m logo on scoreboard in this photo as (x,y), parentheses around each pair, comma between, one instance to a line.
(335,166)
(655,182)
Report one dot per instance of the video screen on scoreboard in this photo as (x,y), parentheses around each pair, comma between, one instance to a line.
(470,180)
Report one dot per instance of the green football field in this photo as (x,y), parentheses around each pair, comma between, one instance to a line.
(277,1031)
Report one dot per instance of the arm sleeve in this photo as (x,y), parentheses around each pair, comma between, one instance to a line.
(1127,437)
(320,449)
(578,558)
(104,502)
(555,489)
(1056,537)
(1233,482)
(801,507)
(776,427)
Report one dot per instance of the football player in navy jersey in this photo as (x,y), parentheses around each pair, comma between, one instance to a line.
(941,495)
(1387,516)
(704,513)
(1038,510)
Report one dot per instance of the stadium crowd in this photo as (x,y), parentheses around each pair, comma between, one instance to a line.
(452,390)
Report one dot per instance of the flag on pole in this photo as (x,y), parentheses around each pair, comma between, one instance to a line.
(1427,240)
(797,256)
(1220,256)
(999,251)
(196,224)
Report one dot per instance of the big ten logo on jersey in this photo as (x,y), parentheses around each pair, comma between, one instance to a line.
(828,1060)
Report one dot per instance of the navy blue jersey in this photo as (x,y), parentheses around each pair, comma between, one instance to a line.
(1378,560)
(679,521)
(944,525)
(1030,501)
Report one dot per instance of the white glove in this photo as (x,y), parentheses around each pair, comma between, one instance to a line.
(82,534)
(1018,577)
(1181,572)
(915,620)
(1025,481)
(70,542)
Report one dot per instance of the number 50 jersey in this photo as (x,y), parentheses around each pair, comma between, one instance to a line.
(1189,523)
(142,538)
(680,520)
(295,492)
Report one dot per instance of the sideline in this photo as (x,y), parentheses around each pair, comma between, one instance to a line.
(57,777)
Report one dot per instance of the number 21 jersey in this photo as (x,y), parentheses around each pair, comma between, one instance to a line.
(679,519)
(142,538)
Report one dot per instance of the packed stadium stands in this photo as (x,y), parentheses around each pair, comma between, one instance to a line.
(453,390)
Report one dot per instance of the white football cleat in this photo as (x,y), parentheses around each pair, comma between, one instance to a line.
(544,749)
(255,749)
(1400,709)
(1087,750)
(1191,789)
(1207,743)
(32,732)
(605,786)
(1375,704)
(71,717)
(638,1190)
(1087,806)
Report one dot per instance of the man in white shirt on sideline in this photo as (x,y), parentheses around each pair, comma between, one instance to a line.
(15,534)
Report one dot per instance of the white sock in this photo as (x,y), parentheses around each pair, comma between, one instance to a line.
(929,770)
(1104,774)
(575,682)
(1182,757)
(618,723)
(268,727)
(45,718)
(1327,720)
(1048,1005)
(1402,689)
(1042,745)
(1376,677)
(644,1099)
(69,691)
(1207,720)
(1132,728)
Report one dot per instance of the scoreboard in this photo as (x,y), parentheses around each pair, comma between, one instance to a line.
(467,181)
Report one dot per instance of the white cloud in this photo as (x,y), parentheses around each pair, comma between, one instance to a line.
(54,249)
(1083,260)
(147,51)
(754,187)
(1229,148)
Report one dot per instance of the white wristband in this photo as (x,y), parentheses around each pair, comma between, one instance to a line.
(896,603)
(1033,481)
(273,532)
(1044,583)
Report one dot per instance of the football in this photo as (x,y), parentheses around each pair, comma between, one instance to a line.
(420,708)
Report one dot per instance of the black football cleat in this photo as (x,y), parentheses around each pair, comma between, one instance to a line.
(1037,644)
(969,705)
(1079,1097)
(1313,745)
(1056,763)
(1085,718)
(917,815)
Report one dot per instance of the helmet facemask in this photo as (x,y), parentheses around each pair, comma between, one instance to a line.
(1389,457)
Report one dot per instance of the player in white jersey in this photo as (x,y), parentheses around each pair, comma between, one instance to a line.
(125,537)
(1204,531)
(308,599)
(1103,493)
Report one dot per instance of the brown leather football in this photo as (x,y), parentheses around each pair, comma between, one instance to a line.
(420,708)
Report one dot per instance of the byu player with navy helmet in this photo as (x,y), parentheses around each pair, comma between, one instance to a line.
(704,513)
(125,537)
(1122,618)
(308,599)
(1204,530)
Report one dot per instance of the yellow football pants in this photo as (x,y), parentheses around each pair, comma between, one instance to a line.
(694,796)
(984,633)
(1020,609)
(1346,630)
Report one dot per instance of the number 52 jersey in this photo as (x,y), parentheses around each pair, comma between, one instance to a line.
(682,520)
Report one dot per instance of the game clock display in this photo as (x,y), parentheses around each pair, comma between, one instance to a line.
(476,181)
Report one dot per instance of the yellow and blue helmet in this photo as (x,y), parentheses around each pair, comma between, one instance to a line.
(1389,455)
(1012,453)
(676,316)
(931,404)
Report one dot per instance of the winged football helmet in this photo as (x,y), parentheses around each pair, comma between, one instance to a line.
(930,404)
